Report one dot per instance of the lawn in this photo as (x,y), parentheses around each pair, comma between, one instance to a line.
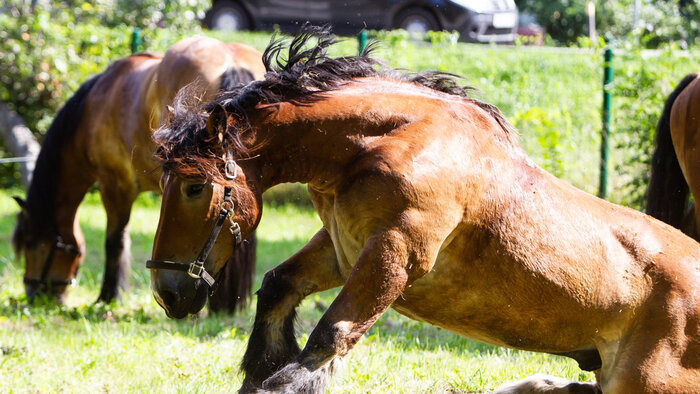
(131,346)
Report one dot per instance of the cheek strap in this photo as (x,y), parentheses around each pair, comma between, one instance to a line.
(196,268)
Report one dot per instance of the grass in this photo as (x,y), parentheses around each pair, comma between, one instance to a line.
(131,346)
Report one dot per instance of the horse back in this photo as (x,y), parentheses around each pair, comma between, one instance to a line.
(117,117)
(201,61)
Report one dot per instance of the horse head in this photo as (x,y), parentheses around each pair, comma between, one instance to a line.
(203,219)
(52,256)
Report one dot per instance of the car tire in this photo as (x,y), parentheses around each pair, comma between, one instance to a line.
(228,16)
(417,21)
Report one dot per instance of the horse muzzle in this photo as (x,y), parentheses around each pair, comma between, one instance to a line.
(178,293)
(52,291)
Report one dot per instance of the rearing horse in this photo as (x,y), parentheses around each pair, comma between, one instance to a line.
(675,171)
(428,206)
(103,134)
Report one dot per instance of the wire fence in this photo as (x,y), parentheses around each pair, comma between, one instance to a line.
(17,159)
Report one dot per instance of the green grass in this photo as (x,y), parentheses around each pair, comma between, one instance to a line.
(131,346)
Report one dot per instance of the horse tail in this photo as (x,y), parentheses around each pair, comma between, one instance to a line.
(236,279)
(233,77)
(668,191)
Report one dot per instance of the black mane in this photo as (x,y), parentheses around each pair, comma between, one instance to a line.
(42,190)
(301,76)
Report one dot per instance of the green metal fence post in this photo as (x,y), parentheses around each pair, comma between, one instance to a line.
(135,40)
(362,39)
(607,86)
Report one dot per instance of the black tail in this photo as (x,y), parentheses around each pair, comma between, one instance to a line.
(236,279)
(61,132)
(233,77)
(667,196)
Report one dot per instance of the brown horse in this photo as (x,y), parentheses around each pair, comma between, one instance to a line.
(675,171)
(429,206)
(103,134)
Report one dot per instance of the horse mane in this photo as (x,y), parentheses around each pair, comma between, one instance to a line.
(300,76)
(43,187)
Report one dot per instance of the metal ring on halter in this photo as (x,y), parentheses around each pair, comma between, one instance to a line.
(227,205)
(230,170)
(195,270)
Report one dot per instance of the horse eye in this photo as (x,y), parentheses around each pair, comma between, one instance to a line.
(194,189)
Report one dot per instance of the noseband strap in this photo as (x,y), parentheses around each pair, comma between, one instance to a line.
(196,268)
(58,244)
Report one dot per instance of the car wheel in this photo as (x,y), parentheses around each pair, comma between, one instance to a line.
(416,21)
(228,16)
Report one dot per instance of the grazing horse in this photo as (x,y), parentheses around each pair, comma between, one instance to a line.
(103,134)
(429,206)
(675,171)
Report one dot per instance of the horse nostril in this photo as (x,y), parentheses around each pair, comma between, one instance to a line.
(168,297)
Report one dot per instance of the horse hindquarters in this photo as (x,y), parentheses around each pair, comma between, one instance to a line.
(660,351)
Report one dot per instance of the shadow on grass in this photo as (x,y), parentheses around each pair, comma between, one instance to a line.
(400,331)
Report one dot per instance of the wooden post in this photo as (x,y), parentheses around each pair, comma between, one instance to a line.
(605,133)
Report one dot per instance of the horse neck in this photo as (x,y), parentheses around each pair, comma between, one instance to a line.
(296,147)
(59,183)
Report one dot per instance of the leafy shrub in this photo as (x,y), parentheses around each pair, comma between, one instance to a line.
(47,51)
(641,83)
(659,21)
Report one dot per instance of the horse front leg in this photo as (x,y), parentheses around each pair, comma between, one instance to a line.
(117,203)
(385,266)
(272,343)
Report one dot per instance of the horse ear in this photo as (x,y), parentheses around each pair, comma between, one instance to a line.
(22,204)
(217,122)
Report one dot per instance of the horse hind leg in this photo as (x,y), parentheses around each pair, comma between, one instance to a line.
(272,342)
(541,383)
(117,265)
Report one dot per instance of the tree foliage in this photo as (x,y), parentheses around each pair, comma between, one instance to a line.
(49,49)
(659,22)
(46,51)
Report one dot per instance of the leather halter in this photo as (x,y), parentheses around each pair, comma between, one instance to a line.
(196,268)
(59,244)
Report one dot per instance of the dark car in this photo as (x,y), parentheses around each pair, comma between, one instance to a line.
(475,20)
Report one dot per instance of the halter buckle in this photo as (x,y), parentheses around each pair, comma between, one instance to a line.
(195,270)
(230,170)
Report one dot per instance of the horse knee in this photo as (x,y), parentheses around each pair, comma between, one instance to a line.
(272,342)
(274,289)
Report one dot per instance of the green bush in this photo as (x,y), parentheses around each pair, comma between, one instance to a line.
(642,82)
(47,51)
(553,96)
(659,22)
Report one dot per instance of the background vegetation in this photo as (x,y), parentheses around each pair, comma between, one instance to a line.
(658,21)
(553,95)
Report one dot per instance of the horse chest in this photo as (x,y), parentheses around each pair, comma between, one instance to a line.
(347,249)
